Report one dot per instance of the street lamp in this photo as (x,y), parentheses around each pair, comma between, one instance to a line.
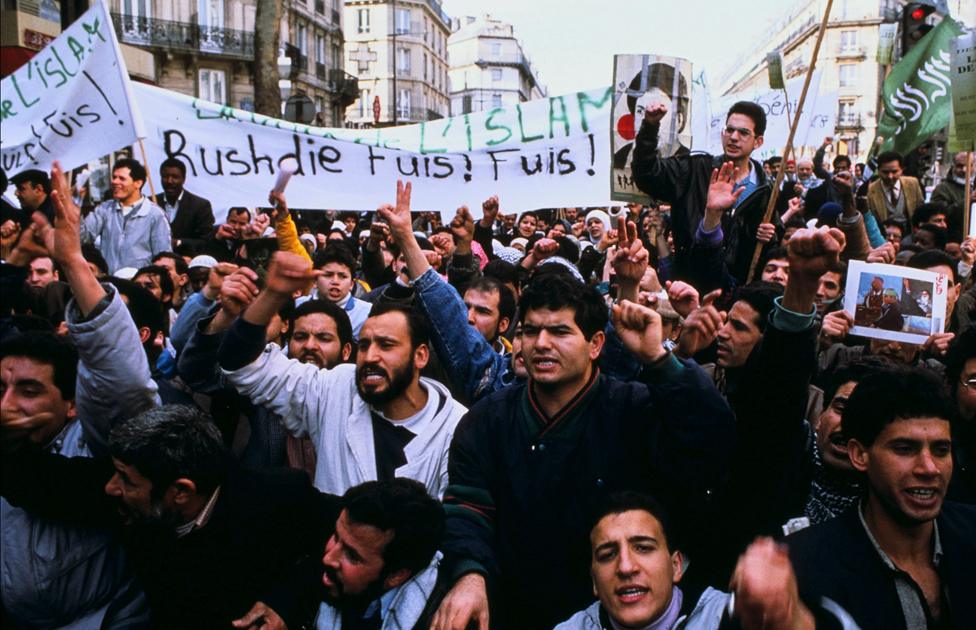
(284,70)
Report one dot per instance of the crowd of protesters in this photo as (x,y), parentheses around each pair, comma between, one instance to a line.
(579,418)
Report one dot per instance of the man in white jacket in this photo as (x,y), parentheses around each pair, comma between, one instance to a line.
(376,420)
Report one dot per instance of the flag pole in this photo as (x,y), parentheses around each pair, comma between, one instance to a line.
(145,164)
(789,141)
(789,149)
(968,206)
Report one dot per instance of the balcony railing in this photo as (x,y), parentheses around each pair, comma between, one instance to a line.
(435,6)
(345,85)
(851,51)
(849,120)
(183,36)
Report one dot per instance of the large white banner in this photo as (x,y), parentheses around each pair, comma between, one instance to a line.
(70,102)
(551,152)
(816,123)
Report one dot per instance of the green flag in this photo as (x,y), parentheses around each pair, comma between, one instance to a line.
(918,92)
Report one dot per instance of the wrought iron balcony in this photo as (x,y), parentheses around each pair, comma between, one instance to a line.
(851,51)
(346,86)
(849,120)
(183,36)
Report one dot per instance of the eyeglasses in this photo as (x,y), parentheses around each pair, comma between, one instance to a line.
(745,133)
(969,383)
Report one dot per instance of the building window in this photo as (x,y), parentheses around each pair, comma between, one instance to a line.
(301,38)
(320,49)
(496,49)
(320,112)
(213,86)
(846,115)
(496,100)
(403,104)
(403,60)
(848,41)
(211,13)
(137,8)
(847,75)
(337,57)
(365,107)
(364,20)
(402,21)
(496,74)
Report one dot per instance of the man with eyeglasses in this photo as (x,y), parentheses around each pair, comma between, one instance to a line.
(683,182)
(961,381)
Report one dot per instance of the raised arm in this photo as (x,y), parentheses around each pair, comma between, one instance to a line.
(114,381)
(285,230)
(199,305)
(818,160)
(469,359)
(662,178)
(197,363)
(261,372)
(771,474)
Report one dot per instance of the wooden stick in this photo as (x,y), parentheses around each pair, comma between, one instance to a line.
(968,206)
(145,164)
(789,149)
(789,141)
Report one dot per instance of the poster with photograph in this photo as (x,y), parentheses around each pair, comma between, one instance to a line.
(895,303)
(638,82)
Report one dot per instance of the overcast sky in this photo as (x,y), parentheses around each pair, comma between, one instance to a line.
(572,42)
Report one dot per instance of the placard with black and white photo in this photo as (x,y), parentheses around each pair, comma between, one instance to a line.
(895,303)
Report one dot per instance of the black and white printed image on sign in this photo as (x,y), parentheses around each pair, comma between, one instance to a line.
(640,81)
(895,303)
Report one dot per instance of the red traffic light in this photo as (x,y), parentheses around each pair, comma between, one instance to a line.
(918,14)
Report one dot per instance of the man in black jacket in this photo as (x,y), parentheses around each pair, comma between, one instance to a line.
(683,182)
(190,217)
(530,463)
(34,194)
(903,557)
(206,539)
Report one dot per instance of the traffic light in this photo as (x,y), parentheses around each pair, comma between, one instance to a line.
(913,26)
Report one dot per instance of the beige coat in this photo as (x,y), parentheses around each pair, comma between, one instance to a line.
(909,187)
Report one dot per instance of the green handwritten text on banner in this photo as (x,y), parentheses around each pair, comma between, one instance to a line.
(546,153)
(70,102)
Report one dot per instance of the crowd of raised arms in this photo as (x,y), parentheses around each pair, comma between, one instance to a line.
(572,418)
